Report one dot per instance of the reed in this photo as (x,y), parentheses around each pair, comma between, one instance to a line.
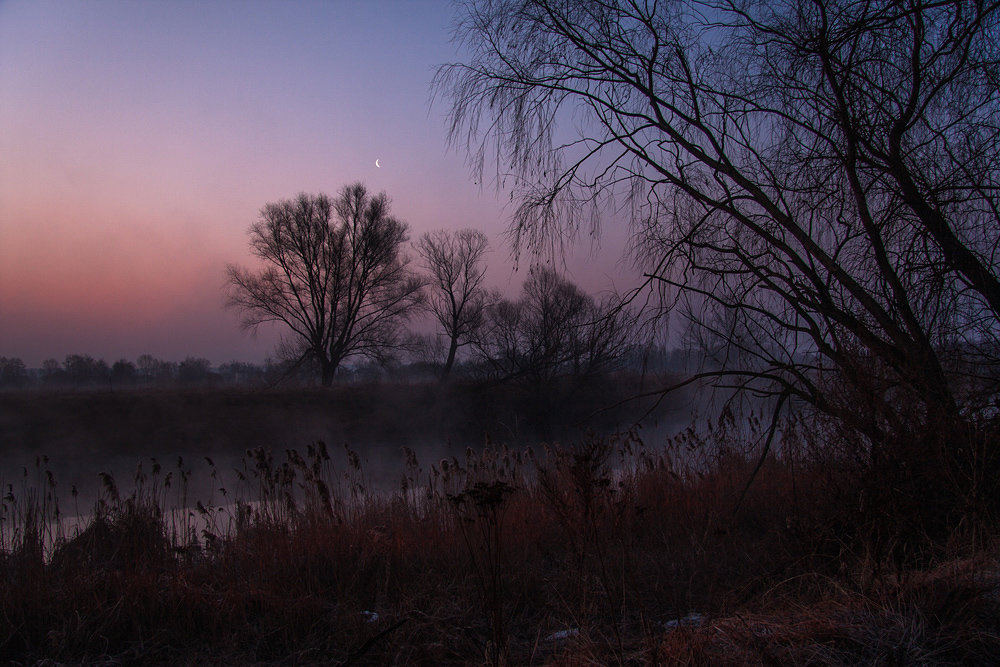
(696,551)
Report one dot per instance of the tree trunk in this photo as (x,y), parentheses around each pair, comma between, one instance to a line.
(328,370)
(452,350)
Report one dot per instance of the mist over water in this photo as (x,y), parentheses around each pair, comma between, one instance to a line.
(86,433)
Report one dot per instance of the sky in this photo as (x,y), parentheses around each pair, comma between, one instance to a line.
(139,140)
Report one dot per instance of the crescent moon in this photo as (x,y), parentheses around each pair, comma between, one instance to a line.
(377,164)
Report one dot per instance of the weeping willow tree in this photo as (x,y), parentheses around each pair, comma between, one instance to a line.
(815,183)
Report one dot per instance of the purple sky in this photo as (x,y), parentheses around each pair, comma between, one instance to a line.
(138,141)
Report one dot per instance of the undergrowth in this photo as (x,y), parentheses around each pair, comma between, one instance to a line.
(704,550)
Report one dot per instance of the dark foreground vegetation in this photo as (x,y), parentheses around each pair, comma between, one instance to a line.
(603,551)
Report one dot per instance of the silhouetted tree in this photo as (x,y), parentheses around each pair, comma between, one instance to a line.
(82,369)
(123,372)
(194,371)
(553,329)
(13,372)
(154,370)
(52,372)
(818,183)
(458,298)
(240,372)
(334,275)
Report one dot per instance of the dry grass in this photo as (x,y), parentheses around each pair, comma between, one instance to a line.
(927,620)
(604,552)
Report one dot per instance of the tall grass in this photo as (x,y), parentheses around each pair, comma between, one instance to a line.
(606,551)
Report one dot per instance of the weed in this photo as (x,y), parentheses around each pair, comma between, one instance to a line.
(479,512)
(700,550)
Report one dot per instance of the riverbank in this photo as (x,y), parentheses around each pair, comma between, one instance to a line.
(603,551)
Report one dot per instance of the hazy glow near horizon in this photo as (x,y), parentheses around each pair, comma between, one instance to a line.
(138,141)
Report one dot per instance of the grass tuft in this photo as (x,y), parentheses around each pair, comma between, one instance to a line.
(607,551)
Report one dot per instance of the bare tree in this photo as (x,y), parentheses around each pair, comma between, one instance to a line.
(13,372)
(153,370)
(554,329)
(123,372)
(455,263)
(83,369)
(334,274)
(816,181)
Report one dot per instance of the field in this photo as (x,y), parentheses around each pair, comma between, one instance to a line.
(590,549)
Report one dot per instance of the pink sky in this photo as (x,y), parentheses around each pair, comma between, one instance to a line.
(138,141)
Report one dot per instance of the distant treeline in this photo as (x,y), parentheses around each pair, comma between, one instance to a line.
(84,371)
